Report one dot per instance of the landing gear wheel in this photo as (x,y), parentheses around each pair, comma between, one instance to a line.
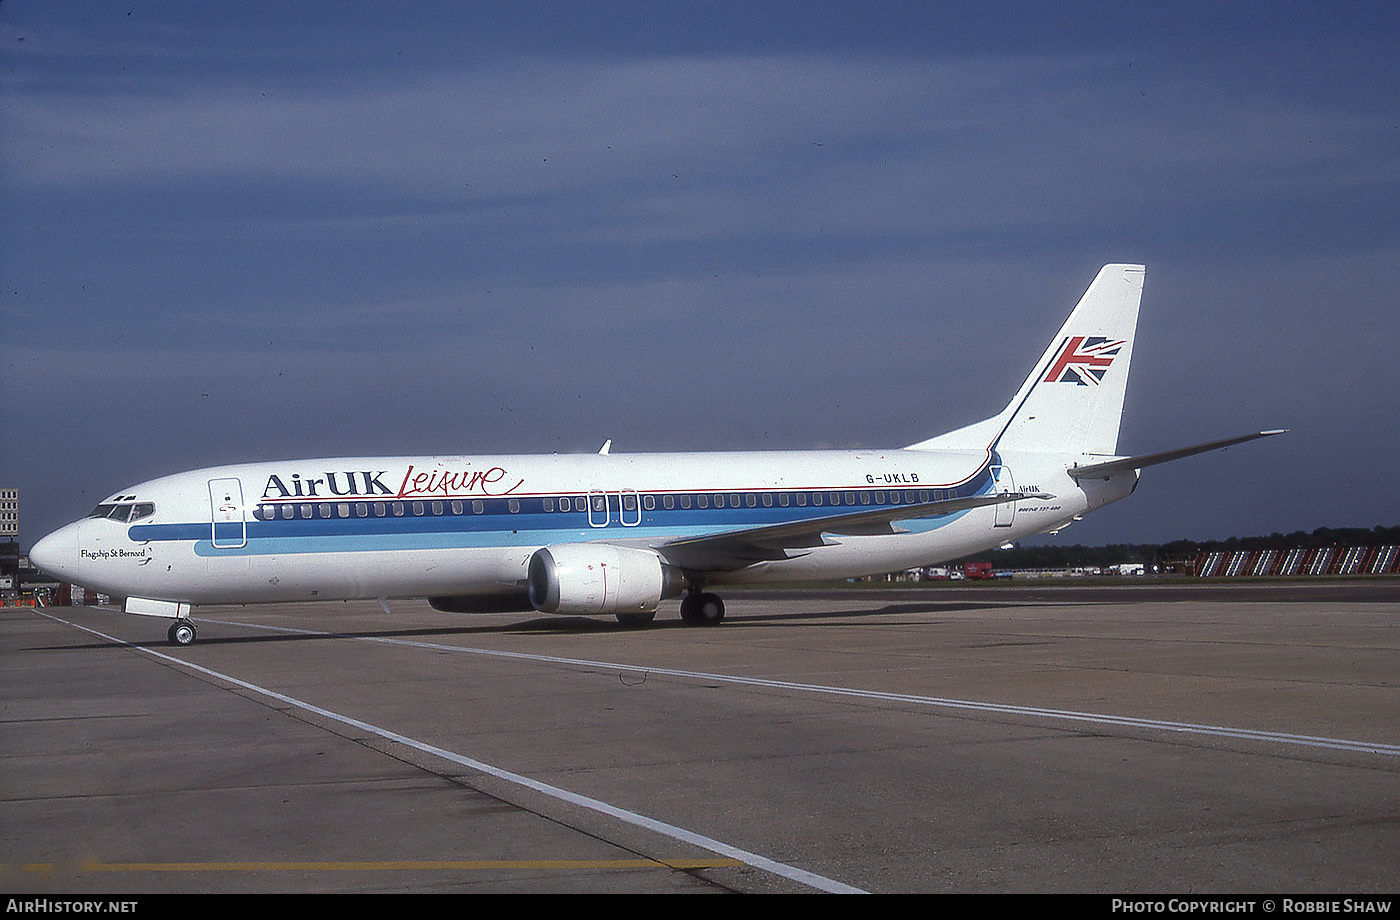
(701,608)
(181,632)
(635,620)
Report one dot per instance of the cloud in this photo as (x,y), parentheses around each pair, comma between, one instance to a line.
(831,141)
(507,245)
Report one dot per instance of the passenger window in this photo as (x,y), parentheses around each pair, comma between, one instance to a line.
(478,507)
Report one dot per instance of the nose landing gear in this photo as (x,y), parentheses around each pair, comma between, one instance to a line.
(181,632)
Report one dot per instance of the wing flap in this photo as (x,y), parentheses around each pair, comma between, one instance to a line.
(740,548)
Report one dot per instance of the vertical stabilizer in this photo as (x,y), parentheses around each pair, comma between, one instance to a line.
(1073,400)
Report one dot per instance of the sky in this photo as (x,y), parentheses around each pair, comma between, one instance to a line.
(235,232)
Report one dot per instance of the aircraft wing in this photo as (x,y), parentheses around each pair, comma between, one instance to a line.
(739,548)
(1109,467)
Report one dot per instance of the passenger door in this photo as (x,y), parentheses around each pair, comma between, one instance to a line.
(1006,511)
(230,528)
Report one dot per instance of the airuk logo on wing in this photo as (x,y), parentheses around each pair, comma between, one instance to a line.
(1083,360)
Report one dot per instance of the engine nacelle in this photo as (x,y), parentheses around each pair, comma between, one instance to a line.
(592,578)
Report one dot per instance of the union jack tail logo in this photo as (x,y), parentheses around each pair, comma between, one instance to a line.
(1083,360)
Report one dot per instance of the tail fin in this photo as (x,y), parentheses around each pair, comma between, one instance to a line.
(1073,401)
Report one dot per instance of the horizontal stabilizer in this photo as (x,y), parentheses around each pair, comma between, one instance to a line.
(1109,467)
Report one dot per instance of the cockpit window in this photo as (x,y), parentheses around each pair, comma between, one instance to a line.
(125,512)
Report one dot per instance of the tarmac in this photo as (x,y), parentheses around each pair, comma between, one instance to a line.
(1211,739)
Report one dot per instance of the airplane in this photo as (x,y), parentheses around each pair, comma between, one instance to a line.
(617,534)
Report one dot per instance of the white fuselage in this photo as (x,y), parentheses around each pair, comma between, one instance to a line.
(348,528)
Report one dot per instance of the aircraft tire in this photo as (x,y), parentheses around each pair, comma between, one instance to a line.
(181,632)
(702,609)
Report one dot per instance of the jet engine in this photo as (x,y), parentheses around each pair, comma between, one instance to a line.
(592,578)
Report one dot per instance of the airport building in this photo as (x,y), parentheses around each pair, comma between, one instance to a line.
(9,514)
(9,549)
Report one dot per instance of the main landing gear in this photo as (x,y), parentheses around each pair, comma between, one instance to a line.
(698,608)
(181,632)
(701,608)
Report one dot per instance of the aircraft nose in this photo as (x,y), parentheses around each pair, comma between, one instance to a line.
(57,554)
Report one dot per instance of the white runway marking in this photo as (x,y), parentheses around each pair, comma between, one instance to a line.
(1223,731)
(792,873)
